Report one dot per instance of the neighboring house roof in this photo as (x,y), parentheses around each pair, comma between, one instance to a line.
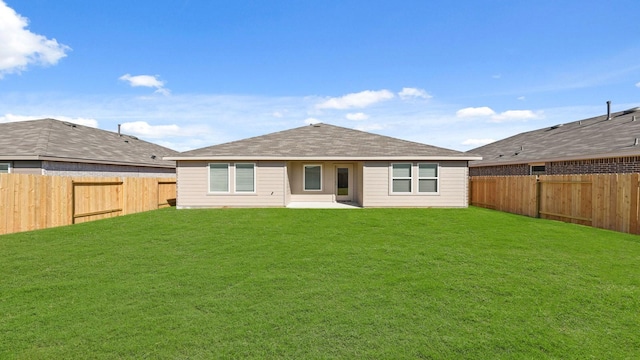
(322,142)
(592,138)
(55,140)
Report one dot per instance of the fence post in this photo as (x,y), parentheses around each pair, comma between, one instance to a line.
(538,191)
(73,203)
(470,191)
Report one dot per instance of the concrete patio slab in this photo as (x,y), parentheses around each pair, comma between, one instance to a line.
(321,205)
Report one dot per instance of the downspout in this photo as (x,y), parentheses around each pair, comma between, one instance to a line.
(284,184)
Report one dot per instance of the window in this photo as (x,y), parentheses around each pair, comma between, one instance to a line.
(5,168)
(218,177)
(428,178)
(401,178)
(245,178)
(411,178)
(312,177)
(538,169)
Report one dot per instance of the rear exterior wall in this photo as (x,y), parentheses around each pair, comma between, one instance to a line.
(595,166)
(618,165)
(25,167)
(500,170)
(193,186)
(453,185)
(59,168)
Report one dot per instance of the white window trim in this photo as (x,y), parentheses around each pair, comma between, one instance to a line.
(437,178)
(531,172)
(235,180)
(8,166)
(391,178)
(209,178)
(304,177)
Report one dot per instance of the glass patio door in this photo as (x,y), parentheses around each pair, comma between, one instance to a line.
(344,182)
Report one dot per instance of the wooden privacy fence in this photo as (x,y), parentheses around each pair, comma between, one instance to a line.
(30,202)
(608,201)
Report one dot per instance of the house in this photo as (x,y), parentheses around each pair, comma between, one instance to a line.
(322,163)
(53,147)
(603,144)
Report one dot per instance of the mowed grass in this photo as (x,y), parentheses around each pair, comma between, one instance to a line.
(320,284)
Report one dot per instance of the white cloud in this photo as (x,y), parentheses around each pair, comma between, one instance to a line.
(638,85)
(408,93)
(477,142)
(209,119)
(510,115)
(80,121)
(142,80)
(370,127)
(21,48)
(142,128)
(356,100)
(151,81)
(311,121)
(496,76)
(277,114)
(14,118)
(521,98)
(357,116)
(146,130)
(475,112)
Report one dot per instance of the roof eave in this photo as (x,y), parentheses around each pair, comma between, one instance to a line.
(322,158)
(86,161)
(554,159)
(19,157)
(109,162)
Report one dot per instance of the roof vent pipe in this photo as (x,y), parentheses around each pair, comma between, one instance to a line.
(119,130)
(608,110)
(636,142)
(633,118)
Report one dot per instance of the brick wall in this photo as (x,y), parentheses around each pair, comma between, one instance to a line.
(501,170)
(56,168)
(621,165)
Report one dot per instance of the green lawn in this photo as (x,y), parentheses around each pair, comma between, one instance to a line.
(320,284)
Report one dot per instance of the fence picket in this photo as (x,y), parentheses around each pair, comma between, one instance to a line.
(608,201)
(29,202)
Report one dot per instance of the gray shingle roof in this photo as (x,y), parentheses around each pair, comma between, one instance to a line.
(596,137)
(321,141)
(50,139)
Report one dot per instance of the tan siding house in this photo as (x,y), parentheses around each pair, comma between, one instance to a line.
(322,163)
(452,187)
(193,186)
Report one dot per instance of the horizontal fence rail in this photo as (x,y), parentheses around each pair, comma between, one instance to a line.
(607,201)
(31,202)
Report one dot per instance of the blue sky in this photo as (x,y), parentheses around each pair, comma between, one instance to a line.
(192,73)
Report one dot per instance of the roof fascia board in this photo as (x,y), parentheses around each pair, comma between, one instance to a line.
(86,161)
(19,158)
(90,161)
(556,159)
(323,158)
